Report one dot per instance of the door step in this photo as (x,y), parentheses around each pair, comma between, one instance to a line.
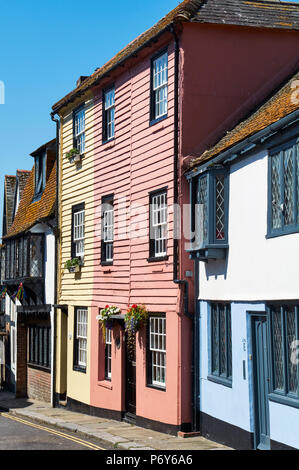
(63,403)
(129,418)
(185,435)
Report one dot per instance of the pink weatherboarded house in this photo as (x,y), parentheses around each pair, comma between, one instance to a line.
(171,92)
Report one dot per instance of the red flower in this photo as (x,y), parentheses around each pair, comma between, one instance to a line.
(134,306)
(107,306)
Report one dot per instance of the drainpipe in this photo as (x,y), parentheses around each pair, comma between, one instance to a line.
(56,252)
(180,282)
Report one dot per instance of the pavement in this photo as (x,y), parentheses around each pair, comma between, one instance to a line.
(119,435)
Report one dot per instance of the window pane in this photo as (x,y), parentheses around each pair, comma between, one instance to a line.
(275,191)
(291,337)
(202,199)
(220,209)
(223,345)
(278,351)
(289,181)
(215,340)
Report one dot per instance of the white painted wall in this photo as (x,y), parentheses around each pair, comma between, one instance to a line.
(256,268)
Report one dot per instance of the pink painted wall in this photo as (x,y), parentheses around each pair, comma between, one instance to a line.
(137,161)
(228,70)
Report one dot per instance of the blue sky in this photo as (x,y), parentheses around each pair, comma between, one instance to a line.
(45,46)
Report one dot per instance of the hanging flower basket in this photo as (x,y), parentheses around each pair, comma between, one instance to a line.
(104,318)
(135,319)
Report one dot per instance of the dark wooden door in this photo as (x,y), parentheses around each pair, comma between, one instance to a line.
(130,380)
(261,383)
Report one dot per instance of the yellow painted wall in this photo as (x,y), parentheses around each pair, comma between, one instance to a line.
(75,290)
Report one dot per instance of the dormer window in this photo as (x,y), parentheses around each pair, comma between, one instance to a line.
(40,175)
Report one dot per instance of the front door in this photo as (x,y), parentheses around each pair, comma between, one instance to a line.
(130,380)
(261,382)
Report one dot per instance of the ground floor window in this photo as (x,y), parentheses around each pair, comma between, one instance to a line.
(157,351)
(80,339)
(221,343)
(284,324)
(39,346)
(108,355)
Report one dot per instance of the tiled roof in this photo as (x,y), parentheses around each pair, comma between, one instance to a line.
(284,102)
(265,14)
(29,213)
(235,12)
(9,196)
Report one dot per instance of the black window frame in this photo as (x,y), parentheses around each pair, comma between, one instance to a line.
(76,111)
(76,208)
(104,115)
(152,256)
(39,175)
(152,119)
(39,346)
(14,263)
(76,366)
(106,200)
(221,377)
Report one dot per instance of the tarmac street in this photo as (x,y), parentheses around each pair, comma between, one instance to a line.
(29,422)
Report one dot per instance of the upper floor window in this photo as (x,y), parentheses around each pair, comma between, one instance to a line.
(39,175)
(284,336)
(79,130)
(158,225)
(24,257)
(221,343)
(107,230)
(159,89)
(209,217)
(108,114)
(283,205)
(78,231)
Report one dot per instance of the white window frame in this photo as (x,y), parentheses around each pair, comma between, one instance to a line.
(109,110)
(79,130)
(108,235)
(159,223)
(108,353)
(157,347)
(81,336)
(79,233)
(160,86)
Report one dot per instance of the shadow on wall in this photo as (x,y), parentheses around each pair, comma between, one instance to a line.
(216,268)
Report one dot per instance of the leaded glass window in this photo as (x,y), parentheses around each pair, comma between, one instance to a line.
(284,189)
(221,342)
(284,343)
(210,210)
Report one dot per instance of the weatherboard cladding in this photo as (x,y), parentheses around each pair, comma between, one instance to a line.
(250,13)
(280,105)
(233,12)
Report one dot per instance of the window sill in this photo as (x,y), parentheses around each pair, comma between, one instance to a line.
(157,387)
(157,259)
(155,121)
(284,400)
(79,369)
(108,144)
(220,381)
(105,384)
(38,367)
(106,263)
(282,232)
